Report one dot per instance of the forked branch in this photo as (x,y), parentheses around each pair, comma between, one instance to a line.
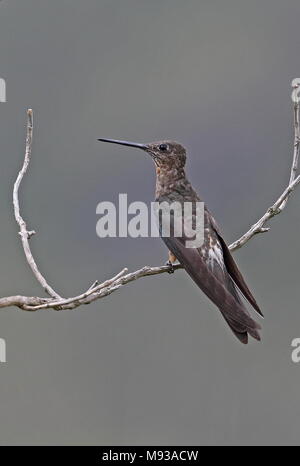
(97,291)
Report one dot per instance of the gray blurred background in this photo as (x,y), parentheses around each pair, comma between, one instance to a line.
(154,363)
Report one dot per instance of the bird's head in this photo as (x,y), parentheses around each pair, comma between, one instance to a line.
(165,154)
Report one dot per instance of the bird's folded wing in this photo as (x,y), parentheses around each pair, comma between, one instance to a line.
(233,270)
(216,290)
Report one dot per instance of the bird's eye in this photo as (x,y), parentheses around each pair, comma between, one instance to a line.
(163,147)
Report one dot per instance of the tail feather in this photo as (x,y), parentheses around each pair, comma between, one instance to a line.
(240,331)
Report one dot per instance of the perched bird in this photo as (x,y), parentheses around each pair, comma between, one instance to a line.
(211,265)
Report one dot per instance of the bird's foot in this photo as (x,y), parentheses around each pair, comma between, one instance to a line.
(171,267)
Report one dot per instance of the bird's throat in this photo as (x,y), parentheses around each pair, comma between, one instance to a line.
(170,179)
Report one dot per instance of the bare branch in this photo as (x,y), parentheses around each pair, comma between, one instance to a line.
(81,298)
(96,290)
(275,209)
(281,202)
(24,233)
(105,289)
(21,301)
(294,168)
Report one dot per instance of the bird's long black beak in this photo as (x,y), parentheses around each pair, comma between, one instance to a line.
(125,143)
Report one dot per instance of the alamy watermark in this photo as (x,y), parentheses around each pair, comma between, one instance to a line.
(2,350)
(296,351)
(2,90)
(176,219)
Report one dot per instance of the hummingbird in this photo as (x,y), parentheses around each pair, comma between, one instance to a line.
(211,266)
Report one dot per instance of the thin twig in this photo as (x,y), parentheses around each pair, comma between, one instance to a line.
(294,168)
(64,302)
(105,289)
(281,202)
(275,209)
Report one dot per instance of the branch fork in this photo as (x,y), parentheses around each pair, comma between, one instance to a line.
(97,291)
